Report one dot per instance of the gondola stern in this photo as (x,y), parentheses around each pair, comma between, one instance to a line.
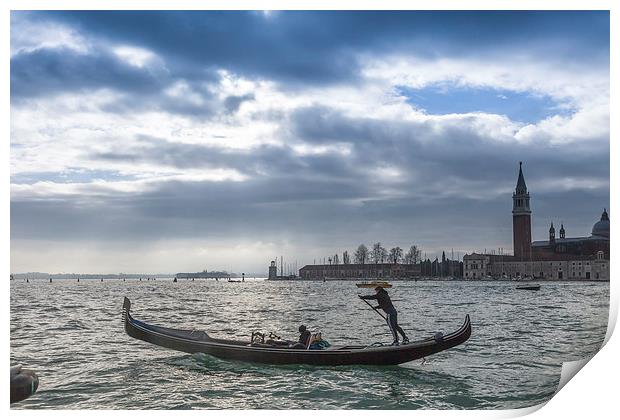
(465,331)
(126,315)
(126,304)
(468,325)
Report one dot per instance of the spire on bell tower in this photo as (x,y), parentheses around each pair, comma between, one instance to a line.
(521,187)
(521,198)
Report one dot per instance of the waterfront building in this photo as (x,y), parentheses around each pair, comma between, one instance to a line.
(578,258)
(586,245)
(487,266)
(359,271)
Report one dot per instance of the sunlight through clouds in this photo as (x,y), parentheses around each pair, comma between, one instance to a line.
(315,129)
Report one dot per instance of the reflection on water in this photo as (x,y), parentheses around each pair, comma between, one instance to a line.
(72,335)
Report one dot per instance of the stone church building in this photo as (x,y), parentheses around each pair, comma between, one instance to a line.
(578,258)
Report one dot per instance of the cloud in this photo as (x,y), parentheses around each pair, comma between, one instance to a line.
(172,126)
(49,71)
(233,102)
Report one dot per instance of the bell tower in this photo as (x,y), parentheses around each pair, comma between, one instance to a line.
(521,219)
(551,235)
(273,271)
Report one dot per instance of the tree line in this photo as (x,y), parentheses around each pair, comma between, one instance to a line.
(379,255)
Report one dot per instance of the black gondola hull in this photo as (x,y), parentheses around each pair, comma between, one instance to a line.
(189,341)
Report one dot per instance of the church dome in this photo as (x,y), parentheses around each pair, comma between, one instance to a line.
(601,228)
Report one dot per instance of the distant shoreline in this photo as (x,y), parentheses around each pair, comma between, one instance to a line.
(59,276)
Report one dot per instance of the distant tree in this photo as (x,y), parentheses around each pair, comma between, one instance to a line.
(413,255)
(378,253)
(335,259)
(361,254)
(345,258)
(375,254)
(396,254)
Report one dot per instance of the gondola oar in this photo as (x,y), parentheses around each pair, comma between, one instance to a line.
(373,308)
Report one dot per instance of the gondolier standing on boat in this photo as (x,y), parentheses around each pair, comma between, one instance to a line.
(385,303)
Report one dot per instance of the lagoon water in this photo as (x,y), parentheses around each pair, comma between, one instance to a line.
(72,335)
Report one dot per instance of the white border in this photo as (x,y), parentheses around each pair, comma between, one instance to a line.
(592,394)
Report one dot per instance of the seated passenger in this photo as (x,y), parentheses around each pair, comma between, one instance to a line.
(304,338)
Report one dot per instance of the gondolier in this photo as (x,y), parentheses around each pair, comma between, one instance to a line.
(385,303)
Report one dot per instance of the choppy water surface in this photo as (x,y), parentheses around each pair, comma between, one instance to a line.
(71,334)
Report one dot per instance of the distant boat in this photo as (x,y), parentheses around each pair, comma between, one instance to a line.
(234,281)
(529,287)
(373,284)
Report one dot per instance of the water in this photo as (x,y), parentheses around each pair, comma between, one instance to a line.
(72,335)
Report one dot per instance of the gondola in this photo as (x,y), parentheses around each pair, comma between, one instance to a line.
(373,284)
(194,341)
(529,287)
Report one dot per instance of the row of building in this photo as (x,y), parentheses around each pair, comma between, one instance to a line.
(427,268)
(360,271)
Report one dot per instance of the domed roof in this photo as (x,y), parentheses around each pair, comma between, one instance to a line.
(601,228)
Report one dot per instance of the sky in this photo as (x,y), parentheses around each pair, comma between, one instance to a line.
(178,141)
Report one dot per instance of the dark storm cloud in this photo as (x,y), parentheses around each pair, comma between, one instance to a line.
(313,47)
(446,175)
(46,72)
(452,149)
(302,210)
(186,210)
(299,43)
(433,159)
(264,160)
